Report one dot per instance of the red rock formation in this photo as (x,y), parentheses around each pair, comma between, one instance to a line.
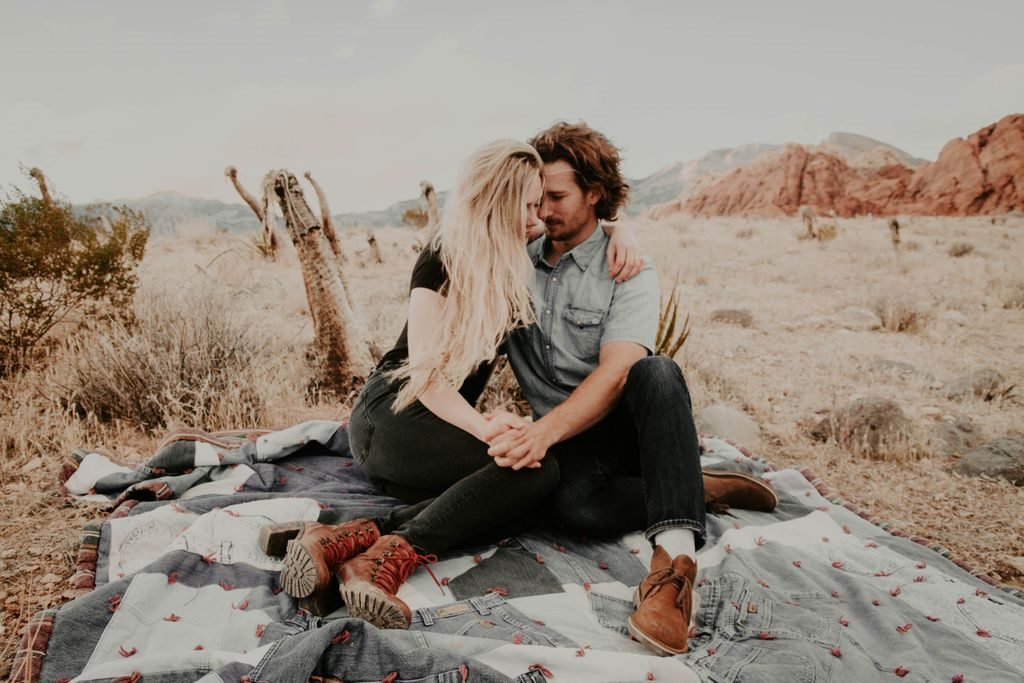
(980,175)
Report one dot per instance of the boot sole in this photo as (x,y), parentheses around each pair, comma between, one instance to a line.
(299,576)
(373,607)
(720,474)
(274,537)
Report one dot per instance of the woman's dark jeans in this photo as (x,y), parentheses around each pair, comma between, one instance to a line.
(639,468)
(458,492)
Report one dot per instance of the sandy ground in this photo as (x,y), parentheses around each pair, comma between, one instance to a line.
(786,370)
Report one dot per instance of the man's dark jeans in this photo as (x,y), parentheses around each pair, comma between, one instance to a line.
(639,468)
(458,493)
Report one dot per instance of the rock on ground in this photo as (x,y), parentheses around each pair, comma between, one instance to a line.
(953,437)
(727,422)
(871,426)
(983,383)
(733,316)
(998,458)
(857,318)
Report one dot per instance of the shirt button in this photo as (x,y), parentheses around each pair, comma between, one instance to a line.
(555,279)
(547,312)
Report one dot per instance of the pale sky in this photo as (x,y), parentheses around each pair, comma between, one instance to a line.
(123,99)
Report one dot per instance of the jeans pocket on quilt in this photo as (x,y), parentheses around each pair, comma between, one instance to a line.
(742,663)
(611,612)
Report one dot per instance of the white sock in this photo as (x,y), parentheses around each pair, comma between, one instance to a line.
(676,542)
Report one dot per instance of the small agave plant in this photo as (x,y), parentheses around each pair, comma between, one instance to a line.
(668,341)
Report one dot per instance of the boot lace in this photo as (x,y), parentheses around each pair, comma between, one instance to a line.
(666,576)
(348,544)
(393,567)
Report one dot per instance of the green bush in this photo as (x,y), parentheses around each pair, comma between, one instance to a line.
(56,267)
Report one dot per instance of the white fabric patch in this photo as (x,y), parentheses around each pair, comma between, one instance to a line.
(138,540)
(206,455)
(92,468)
(223,482)
(278,444)
(164,623)
(231,534)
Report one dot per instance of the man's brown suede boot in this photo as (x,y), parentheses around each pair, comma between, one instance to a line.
(370,581)
(663,602)
(724,490)
(318,550)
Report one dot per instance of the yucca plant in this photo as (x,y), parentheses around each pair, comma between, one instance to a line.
(668,341)
(264,243)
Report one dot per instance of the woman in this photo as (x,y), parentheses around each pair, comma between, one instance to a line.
(414,429)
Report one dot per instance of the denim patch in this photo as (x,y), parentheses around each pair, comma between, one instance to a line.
(514,570)
(487,617)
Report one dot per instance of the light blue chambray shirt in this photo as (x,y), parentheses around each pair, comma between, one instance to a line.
(579,309)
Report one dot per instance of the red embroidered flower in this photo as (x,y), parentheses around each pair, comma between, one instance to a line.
(901,671)
(844,621)
(904,628)
(836,652)
(172,617)
(341,638)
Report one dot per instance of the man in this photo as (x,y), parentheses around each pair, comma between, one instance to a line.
(618,419)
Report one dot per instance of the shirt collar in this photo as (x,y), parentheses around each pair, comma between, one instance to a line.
(583,253)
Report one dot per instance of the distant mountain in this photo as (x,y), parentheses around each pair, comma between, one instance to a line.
(855,147)
(977,175)
(165,211)
(669,182)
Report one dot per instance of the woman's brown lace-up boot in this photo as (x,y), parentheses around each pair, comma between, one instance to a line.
(317,551)
(370,581)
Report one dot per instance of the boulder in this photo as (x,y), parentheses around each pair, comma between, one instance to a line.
(998,458)
(953,437)
(857,318)
(983,383)
(727,422)
(870,426)
(733,316)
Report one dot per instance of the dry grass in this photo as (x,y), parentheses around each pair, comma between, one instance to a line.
(958,249)
(1014,297)
(900,313)
(788,370)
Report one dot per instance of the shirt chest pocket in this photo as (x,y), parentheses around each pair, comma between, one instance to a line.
(583,331)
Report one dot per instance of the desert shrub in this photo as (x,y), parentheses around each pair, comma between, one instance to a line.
(900,313)
(188,357)
(744,234)
(959,249)
(911,246)
(415,218)
(56,267)
(1014,297)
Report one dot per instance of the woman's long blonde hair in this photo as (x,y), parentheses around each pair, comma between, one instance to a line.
(481,242)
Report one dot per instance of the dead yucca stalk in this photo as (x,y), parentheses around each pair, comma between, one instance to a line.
(668,341)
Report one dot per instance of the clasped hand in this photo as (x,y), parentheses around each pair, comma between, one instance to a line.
(515,441)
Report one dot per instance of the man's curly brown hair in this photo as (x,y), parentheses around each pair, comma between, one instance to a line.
(594,158)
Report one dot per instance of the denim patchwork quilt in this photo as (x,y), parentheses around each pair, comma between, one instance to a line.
(173,587)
